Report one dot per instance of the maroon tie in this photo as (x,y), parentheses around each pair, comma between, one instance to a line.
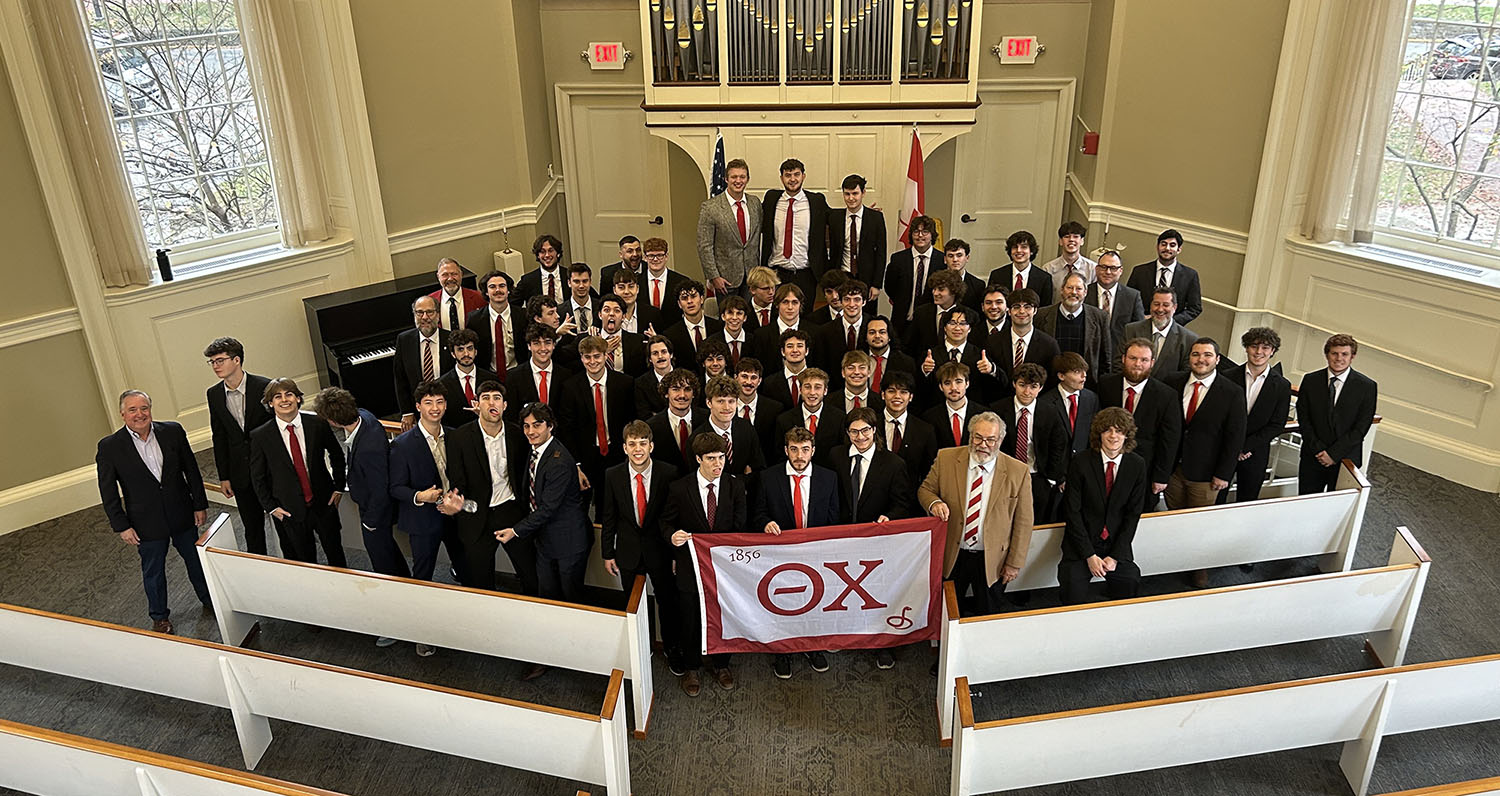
(1130,400)
(469,389)
(298,463)
(896,437)
(697,337)
(713,506)
(1023,430)
(1019,283)
(739,217)
(682,438)
(1109,484)
(765,317)
(746,412)
(850,341)
(879,371)
(600,431)
(500,348)
(427,368)
(786,237)
(734,353)
(853,242)
(640,500)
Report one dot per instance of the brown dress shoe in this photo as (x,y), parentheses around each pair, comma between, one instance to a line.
(691,685)
(724,678)
(162,626)
(537,670)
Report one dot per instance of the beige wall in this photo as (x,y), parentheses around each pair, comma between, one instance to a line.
(1098,44)
(1061,25)
(44,438)
(32,269)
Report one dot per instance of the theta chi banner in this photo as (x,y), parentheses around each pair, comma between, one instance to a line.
(839,587)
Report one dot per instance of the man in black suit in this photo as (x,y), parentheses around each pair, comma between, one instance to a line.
(494,321)
(1077,327)
(649,397)
(761,284)
(742,441)
(1268,401)
(928,324)
(1107,485)
(796,495)
(1157,412)
(639,316)
(152,466)
(368,477)
(550,279)
(583,302)
(1167,271)
(631,541)
(487,462)
(1213,434)
(970,291)
(1022,273)
(856,240)
(955,345)
(692,326)
(422,354)
(734,311)
(463,380)
(625,351)
(556,520)
(882,489)
(234,410)
(539,377)
(905,434)
(950,416)
(659,286)
(846,333)
(707,500)
(1037,437)
(631,257)
(884,358)
(1335,408)
(674,424)
(1022,342)
(907,274)
(814,413)
(1120,302)
(782,380)
(1074,403)
(594,407)
(760,410)
(854,391)
(297,467)
(767,341)
(794,231)
(994,312)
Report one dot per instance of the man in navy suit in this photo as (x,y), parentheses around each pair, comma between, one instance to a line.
(455,302)
(368,477)
(1335,407)
(798,494)
(419,483)
(163,504)
(297,467)
(634,494)
(234,410)
(557,520)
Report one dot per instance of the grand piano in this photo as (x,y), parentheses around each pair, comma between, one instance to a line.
(354,336)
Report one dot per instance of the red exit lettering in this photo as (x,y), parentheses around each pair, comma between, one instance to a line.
(1019,47)
(606,53)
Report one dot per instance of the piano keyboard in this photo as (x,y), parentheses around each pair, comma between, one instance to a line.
(371,356)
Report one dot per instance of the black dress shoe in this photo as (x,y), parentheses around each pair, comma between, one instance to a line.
(818,660)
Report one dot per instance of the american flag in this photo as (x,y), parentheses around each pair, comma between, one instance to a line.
(719,182)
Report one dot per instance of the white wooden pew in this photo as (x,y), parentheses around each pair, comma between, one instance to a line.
(1324,525)
(51,763)
(256,687)
(246,586)
(1474,787)
(1356,710)
(1381,602)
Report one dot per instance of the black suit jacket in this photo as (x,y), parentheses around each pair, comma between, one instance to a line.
(633,545)
(765,342)
(1037,279)
(828,436)
(1042,350)
(369,476)
(469,470)
(1088,406)
(1184,285)
(746,454)
(1340,432)
(767,409)
(919,444)
(1158,422)
(558,524)
(275,479)
(577,423)
(632,354)
(1049,438)
(1088,510)
(895,359)
(1267,419)
(773,499)
(132,496)
(521,388)
(516,350)
(983,387)
(942,428)
(923,333)
(531,284)
(408,366)
(669,313)
(1212,442)
(458,413)
(899,274)
(869,261)
(664,434)
(817,231)
(888,490)
(831,343)
(1127,307)
(648,398)
(232,443)
(972,296)
(684,512)
(684,351)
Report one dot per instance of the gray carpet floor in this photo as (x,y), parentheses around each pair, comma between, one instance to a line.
(853,730)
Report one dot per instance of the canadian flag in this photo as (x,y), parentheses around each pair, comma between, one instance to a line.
(912,204)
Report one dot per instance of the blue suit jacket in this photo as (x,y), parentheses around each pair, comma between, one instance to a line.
(558,523)
(773,500)
(413,470)
(370,473)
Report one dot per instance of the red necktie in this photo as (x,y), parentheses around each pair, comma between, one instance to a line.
(1193,402)
(500,348)
(734,352)
(552,287)
(746,412)
(853,242)
(682,438)
(796,391)
(797,517)
(1109,484)
(640,500)
(958,433)
(1019,282)
(856,402)
(786,237)
(541,390)
(1020,354)
(1023,431)
(895,437)
(765,317)
(739,216)
(728,448)
(1073,411)
(713,506)
(697,337)
(600,432)
(879,371)
(656,293)
(812,424)
(1130,400)
(299,464)
(427,370)
(849,340)
(469,389)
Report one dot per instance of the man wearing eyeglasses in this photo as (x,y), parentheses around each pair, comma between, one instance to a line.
(1120,302)
(986,500)
(234,410)
(421,355)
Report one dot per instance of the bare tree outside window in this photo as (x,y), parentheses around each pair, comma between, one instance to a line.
(175,76)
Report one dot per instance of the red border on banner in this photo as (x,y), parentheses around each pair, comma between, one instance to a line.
(713,641)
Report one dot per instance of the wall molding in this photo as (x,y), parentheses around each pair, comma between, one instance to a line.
(40,326)
(1198,232)
(469,226)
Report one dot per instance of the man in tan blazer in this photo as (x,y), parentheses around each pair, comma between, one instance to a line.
(986,499)
(729,227)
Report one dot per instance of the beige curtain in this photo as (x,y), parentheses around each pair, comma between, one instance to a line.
(1361,39)
(88,139)
(281,69)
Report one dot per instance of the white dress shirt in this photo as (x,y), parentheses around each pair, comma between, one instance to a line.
(801,223)
(703,491)
(1253,385)
(286,440)
(150,451)
(499,456)
(805,489)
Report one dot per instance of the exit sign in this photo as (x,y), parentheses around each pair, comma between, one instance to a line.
(1017,50)
(606,55)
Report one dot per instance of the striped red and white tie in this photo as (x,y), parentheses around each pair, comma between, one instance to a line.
(971,519)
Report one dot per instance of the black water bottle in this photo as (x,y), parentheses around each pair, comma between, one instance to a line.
(164,264)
